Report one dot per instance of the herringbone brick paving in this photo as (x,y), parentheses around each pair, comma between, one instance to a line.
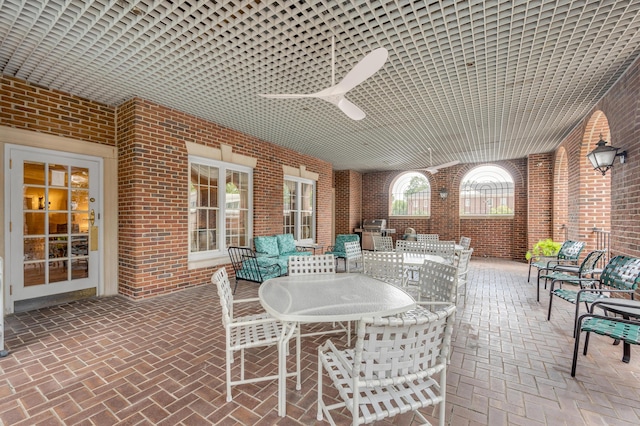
(106,361)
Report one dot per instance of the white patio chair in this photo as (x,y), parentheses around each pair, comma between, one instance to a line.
(444,249)
(246,332)
(465,242)
(385,266)
(463,271)
(427,237)
(399,364)
(381,243)
(407,246)
(315,264)
(437,285)
(353,256)
(319,264)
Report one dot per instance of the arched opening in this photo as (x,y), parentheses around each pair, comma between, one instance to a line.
(561,196)
(595,189)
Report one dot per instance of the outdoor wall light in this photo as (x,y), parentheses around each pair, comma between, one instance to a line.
(602,156)
(444,193)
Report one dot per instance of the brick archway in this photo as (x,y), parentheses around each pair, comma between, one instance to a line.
(595,189)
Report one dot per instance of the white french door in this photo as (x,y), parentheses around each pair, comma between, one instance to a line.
(55,221)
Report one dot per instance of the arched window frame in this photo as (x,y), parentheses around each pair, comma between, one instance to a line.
(483,197)
(422,202)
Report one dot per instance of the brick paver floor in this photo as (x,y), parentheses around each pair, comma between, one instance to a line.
(107,361)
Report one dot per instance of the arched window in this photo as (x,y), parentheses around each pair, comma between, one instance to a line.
(487,191)
(410,195)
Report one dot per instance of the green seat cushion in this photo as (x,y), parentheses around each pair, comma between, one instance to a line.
(267,245)
(286,243)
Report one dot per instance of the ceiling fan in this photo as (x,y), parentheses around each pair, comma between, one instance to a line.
(335,94)
(434,169)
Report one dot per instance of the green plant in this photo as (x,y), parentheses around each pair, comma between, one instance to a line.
(546,247)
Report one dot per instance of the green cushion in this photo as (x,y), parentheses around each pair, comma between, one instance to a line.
(266,245)
(344,238)
(286,243)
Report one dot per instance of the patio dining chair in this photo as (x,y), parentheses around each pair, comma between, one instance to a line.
(387,266)
(462,265)
(620,277)
(465,242)
(352,256)
(247,332)
(314,264)
(382,243)
(398,365)
(427,237)
(568,254)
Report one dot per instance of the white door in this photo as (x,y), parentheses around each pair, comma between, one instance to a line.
(54,224)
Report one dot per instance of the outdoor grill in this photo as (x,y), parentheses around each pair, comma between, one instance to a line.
(370,228)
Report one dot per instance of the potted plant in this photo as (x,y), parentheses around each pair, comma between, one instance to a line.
(544,248)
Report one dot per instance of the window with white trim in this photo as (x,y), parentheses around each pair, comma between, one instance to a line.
(410,195)
(220,207)
(487,191)
(299,207)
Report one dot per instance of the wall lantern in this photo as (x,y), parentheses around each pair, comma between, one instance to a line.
(444,193)
(602,156)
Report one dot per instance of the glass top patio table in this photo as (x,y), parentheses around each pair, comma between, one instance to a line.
(417,259)
(325,298)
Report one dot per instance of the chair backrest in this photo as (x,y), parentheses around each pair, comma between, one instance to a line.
(427,237)
(248,266)
(589,263)
(381,243)
(344,238)
(221,280)
(437,282)
(315,264)
(402,349)
(385,266)
(622,273)
(463,262)
(352,255)
(570,250)
(407,246)
(465,242)
(445,249)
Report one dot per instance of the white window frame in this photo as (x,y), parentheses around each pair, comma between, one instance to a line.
(298,208)
(222,251)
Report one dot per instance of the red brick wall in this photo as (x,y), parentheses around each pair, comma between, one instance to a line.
(153,175)
(489,237)
(25,106)
(540,192)
(348,187)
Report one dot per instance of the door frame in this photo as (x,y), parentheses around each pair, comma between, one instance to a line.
(108,274)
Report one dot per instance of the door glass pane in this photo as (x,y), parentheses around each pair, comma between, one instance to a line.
(58,259)
(79,257)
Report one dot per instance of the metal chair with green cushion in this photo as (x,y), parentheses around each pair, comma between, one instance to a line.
(620,276)
(568,274)
(568,254)
(248,267)
(338,250)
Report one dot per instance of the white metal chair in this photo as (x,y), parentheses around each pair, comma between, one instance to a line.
(353,256)
(399,364)
(381,243)
(463,271)
(315,264)
(437,283)
(444,249)
(465,242)
(246,332)
(385,266)
(407,246)
(423,238)
(319,264)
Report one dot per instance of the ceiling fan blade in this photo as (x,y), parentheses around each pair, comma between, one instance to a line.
(350,109)
(434,169)
(364,69)
(286,96)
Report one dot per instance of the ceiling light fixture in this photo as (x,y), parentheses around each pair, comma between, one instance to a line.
(603,156)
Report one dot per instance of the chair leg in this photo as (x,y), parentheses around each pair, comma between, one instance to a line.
(529,276)
(550,302)
(576,345)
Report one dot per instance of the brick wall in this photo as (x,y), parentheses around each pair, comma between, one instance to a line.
(348,202)
(29,107)
(540,191)
(489,237)
(153,172)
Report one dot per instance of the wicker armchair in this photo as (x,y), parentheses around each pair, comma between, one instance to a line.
(398,365)
(252,331)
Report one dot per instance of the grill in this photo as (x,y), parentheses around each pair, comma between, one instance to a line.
(370,228)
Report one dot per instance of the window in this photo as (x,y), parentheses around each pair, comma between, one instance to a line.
(487,191)
(410,195)
(299,207)
(220,209)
